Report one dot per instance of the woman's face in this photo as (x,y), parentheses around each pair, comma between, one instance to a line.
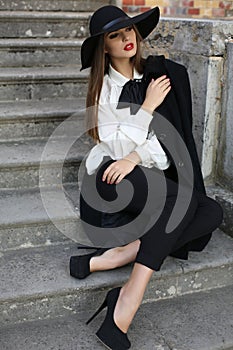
(121,44)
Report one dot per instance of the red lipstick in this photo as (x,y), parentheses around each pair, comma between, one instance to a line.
(129,47)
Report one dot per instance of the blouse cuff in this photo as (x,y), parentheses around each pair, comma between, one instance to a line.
(143,154)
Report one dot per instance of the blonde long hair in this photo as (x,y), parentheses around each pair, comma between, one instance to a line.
(100,66)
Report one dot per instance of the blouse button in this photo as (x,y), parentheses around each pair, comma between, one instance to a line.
(181,164)
(162,136)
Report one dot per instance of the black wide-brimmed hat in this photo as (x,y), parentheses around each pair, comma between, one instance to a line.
(110,18)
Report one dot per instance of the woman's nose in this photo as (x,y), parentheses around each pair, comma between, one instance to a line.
(125,36)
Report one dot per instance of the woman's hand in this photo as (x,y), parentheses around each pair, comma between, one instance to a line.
(118,170)
(156,92)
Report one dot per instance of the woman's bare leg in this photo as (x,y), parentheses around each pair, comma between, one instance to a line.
(131,296)
(115,257)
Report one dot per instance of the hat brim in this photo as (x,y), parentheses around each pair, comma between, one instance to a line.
(145,23)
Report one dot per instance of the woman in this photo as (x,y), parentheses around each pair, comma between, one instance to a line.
(127,92)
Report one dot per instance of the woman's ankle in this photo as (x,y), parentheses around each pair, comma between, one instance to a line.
(106,261)
(130,298)
(124,311)
(114,258)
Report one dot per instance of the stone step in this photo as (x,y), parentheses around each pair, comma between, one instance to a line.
(35,283)
(31,225)
(42,83)
(24,163)
(36,24)
(197,321)
(54,5)
(39,52)
(23,120)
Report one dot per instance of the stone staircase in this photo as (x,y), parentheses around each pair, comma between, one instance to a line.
(41,306)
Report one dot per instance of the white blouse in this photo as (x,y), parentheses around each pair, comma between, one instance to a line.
(120,132)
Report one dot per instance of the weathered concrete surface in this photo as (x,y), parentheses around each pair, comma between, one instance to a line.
(224,163)
(200,321)
(192,36)
(201,46)
(225,198)
(23,24)
(39,52)
(54,5)
(226,202)
(211,136)
(23,120)
(42,83)
(225,155)
(31,225)
(23,162)
(36,283)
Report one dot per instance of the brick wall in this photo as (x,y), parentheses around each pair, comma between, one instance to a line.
(183,8)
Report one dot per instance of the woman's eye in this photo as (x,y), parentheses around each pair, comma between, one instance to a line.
(112,36)
(129,29)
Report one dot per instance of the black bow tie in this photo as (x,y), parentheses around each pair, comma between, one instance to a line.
(132,95)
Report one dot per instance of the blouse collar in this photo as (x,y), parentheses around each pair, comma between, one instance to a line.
(120,79)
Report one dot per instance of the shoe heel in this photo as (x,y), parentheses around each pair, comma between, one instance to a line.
(98,311)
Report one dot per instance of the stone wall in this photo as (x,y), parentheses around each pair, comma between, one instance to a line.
(225,151)
(184,8)
(204,47)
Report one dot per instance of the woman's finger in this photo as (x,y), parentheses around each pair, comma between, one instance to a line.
(110,176)
(106,172)
(167,89)
(120,178)
(164,85)
(152,81)
(158,80)
(160,84)
(114,177)
(164,82)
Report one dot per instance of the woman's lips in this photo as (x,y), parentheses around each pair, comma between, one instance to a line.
(129,47)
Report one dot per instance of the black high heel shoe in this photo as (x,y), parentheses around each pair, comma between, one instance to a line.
(109,334)
(80,264)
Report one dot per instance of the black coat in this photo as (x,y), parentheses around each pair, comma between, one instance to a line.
(177,108)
